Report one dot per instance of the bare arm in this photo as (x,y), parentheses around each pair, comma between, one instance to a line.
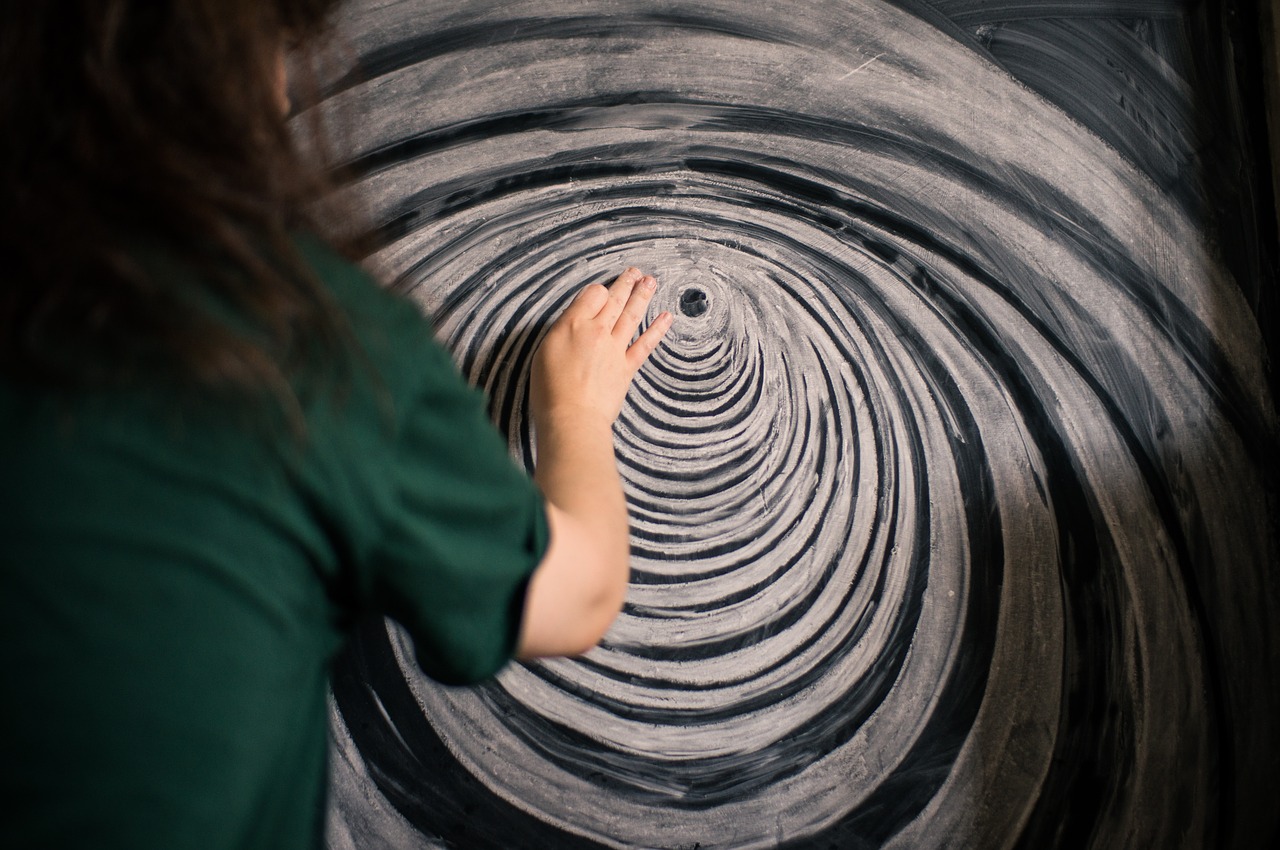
(580,377)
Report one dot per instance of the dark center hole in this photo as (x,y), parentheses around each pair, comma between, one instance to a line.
(693,302)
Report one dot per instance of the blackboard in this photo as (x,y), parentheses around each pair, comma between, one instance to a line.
(953,487)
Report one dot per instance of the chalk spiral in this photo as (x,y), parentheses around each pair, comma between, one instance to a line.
(923,482)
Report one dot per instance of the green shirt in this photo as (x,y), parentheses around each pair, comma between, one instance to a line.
(173,588)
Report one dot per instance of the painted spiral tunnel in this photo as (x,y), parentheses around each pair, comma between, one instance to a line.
(948,495)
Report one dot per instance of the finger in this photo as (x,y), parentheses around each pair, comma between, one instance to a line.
(648,341)
(589,300)
(635,308)
(619,292)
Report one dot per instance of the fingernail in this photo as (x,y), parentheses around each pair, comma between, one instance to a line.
(649,283)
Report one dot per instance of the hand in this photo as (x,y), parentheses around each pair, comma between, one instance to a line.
(584,367)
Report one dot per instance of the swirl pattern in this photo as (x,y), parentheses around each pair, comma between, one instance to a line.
(922,481)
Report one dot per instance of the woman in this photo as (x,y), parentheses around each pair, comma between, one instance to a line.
(224,445)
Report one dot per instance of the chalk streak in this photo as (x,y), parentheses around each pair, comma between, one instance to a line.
(863,65)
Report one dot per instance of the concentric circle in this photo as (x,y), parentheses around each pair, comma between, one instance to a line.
(913,508)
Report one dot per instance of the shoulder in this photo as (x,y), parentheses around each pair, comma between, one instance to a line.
(394,336)
(355,290)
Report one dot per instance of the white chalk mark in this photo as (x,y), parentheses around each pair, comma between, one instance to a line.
(863,65)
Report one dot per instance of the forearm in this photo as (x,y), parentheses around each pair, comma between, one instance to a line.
(579,588)
(578,473)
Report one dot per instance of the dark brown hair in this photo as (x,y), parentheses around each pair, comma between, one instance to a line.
(154,128)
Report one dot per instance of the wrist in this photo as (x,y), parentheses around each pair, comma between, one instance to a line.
(573,419)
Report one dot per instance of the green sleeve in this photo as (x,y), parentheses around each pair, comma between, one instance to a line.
(451,528)
(463,530)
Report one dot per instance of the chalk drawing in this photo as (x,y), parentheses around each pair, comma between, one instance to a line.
(950,517)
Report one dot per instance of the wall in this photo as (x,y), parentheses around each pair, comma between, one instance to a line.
(953,509)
